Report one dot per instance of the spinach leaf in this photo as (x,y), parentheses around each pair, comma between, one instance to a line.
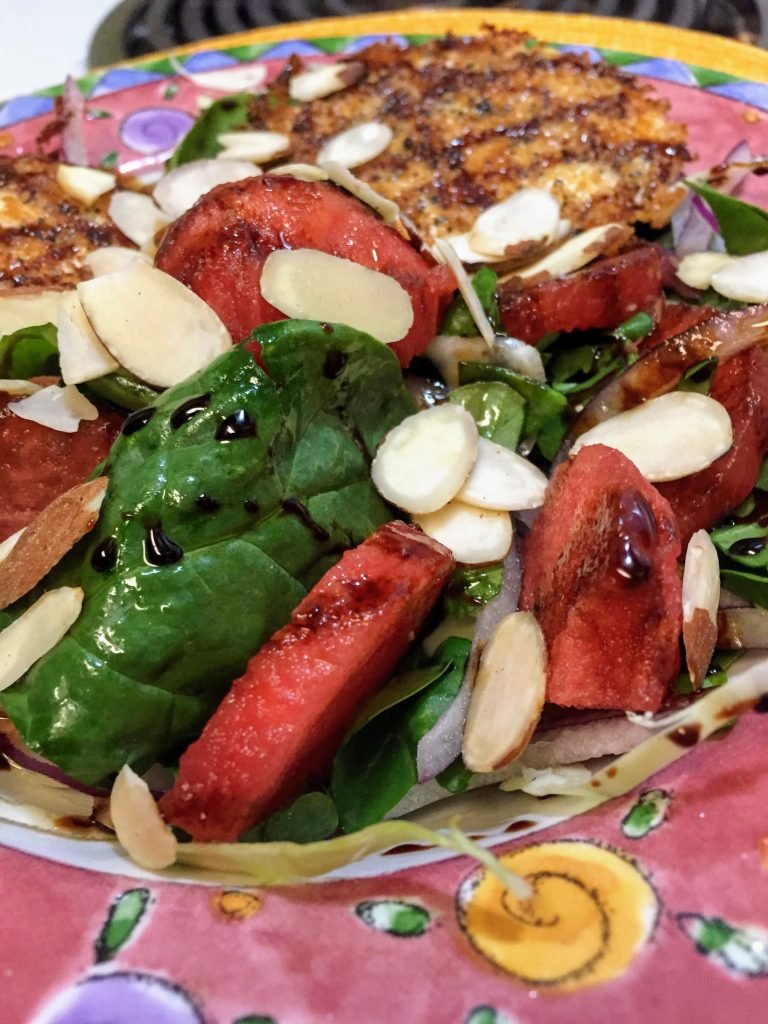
(456,777)
(458,319)
(749,585)
(744,227)
(470,588)
(761,484)
(121,389)
(717,673)
(542,402)
(310,817)
(745,543)
(498,411)
(710,297)
(575,370)
(202,140)
(634,329)
(30,352)
(376,766)
(699,376)
(217,522)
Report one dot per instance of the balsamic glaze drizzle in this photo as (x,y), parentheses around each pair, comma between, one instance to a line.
(184,413)
(206,503)
(236,427)
(159,549)
(296,508)
(104,556)
(136,420)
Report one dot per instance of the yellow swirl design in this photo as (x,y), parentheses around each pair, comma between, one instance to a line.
(590,913)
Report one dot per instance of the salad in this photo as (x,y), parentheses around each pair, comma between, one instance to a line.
(316,514)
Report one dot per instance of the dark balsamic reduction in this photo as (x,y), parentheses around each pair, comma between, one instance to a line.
(252,506)
(206,503)
(335,361)
(104,557)
(326,328)
(136,420)
(236,427)
(686,735)
(295,507)
(184,413)
(636,527)
(762,706)
(159,549)
(748,546)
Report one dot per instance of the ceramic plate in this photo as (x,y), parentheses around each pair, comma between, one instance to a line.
(654,906)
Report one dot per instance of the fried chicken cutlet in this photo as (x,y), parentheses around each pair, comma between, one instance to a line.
(45,233)
(475,120)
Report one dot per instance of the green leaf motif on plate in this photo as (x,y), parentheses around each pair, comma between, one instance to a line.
(743,950)
(646,814)
(487,1015)
(122,919)
(395,917)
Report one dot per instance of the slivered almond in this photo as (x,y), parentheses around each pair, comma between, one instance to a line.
(668,437)
(423,462)
(503,480)
(152,325)
(696,269)
(50,535)
(356,146)
(19,387)
(744,278)
(137,822)
(57,408)
(742,628)
(258,146)
(111,258)
(315,83)
(37,631)
(467,292)
(508,694)
(307,284)
(304,172)
(81,354)
(180,189)
(474,535)
(577,252)
(138,217)
(463,248)
(7,546)
(701,597)
(520,356)
(530,215)
(388,210)
(84,183)
(446,351)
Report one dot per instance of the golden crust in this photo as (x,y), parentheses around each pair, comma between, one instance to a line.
(44,232)
(474,120)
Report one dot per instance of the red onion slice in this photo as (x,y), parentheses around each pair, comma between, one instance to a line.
(694,226)
(442,744)
(22,757)
(73,147)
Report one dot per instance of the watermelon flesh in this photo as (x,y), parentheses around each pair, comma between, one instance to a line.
(600,575)
(283,720)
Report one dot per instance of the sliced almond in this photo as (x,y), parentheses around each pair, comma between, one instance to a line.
(30,310)
(153,326)
(474,535)
(37,631)
(467,292)
(668,437)
(508,695)
(19,387)
(86,184)
(502,480)
(304,172)
(111,258)
(742,629)
(356,146)
(701,597)
(237,78)
(577,252)
(744,278)
(696,269)
(138,825)
(520,356)
(258,146)
(462,246)
(446,351)
(45,541)
(181,188)
(307,284)
(315,83)
(7,546)
(137,216)
(530,215)
(388,210)
(423,462)
(81,354)
(57,408)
